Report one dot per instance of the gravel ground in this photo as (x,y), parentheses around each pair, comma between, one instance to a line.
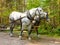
(5,39)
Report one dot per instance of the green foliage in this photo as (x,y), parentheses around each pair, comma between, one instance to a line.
(33,3)
(7,6)
(50,6)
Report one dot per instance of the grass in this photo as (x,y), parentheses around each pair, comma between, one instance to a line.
(54,34)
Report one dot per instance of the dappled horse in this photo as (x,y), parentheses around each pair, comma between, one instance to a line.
(37,20)
(25,18)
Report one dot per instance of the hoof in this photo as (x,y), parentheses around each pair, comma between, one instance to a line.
(11,35)
(20,37)
(29,38)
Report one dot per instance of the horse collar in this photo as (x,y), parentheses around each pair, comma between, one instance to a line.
(29,16)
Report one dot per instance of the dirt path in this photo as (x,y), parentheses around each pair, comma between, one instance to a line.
(5,39)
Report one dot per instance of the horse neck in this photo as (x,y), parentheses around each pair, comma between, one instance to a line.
(32,12)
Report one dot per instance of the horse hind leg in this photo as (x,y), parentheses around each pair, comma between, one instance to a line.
(11,28)
(21,28)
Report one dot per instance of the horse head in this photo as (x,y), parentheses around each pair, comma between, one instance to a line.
(44,15)
(34,12)
(39,11)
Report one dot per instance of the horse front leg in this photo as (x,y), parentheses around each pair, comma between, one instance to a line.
(20,37)
(11,28)
(29,32)
(37,31)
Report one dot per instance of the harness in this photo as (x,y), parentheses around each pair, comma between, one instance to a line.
(38,19)
(29,16)
(39,14)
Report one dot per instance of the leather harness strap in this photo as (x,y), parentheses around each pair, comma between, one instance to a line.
(29,16)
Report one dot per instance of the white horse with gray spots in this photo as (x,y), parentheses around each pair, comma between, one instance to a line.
(37,20)
(25,18)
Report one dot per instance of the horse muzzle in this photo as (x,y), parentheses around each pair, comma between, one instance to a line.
(48,20)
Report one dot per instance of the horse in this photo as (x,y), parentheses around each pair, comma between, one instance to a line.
(25,18)
(36,22)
